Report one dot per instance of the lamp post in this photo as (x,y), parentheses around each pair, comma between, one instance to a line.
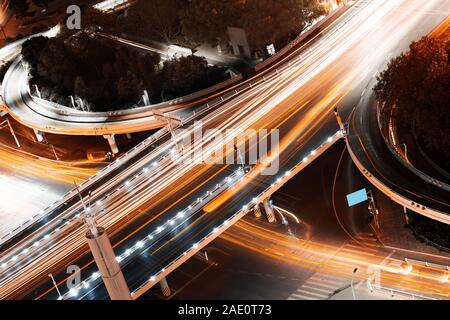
(241,158)
(104,256)
(373,208)
(351,283)
(406,151)
(56,286)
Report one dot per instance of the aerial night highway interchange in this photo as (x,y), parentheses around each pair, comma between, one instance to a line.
(192,150)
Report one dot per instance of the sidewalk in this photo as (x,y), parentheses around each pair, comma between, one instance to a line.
(361,291)
(394,231)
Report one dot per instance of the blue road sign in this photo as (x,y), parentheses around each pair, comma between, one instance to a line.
(357,197)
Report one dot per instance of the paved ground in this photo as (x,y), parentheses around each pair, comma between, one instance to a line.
(23,196)
(393,231)
(362,292)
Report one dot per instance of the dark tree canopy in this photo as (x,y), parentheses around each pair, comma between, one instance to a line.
(19,7)
(206,21)
(109,76)
(268,21)
(94,20)
(76,62)
(157,19)
(92,68)
(41,3)
(194,22)
(416,89)
(186,75)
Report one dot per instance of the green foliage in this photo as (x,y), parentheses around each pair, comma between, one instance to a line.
(196,22)
(206,21)
(156,19)
(183,76)
(91,67)
(432,230)
(109,76)
(415,89)
(41,3)
(19,7)
(4,68)
(268,21)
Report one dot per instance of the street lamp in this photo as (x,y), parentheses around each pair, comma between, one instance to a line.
(56,286)
(241,159)
(351,283)
(406,151)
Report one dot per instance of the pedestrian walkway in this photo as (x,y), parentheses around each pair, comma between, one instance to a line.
(319,287)
(324,283)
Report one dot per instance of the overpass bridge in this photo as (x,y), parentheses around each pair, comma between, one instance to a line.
(46,116)
(92,287)
(158,211)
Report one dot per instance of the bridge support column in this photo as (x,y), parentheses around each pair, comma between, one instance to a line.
(37,91)
(145,98)
(269,211)
(339,119)
(112,143)
(129,136)
(165,287)
(39,135)
(257,211)
(108,266)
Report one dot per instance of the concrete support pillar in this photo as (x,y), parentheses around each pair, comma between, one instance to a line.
(39,135)
(108,266)
(72,102)
(165,287)
(129,136)
(257,211)
(339,119)
(269,211)
(112,143)
(81,104)
(145,98)
(37,91)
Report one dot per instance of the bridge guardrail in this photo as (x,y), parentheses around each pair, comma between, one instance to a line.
(397,155)
(393,195)
(300,38)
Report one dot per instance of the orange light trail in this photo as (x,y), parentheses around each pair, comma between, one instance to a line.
(334,260)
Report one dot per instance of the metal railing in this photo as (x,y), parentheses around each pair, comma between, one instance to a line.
(393,195)
(406,164)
